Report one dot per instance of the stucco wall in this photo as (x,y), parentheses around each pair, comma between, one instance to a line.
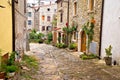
(5,27)
(29,9)
(44,11)
(111,25)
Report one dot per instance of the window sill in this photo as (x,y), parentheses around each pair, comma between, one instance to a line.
(75,15)
(91,11)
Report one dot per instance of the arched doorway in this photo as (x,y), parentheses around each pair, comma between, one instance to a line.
(83,41)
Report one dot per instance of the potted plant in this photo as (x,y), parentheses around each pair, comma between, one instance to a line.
(2,73)
(11,70)
(11,67)
(108,58)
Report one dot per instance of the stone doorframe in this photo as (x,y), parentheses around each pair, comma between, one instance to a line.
(79,41)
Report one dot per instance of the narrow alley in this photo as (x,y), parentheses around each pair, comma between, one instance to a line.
(60,64)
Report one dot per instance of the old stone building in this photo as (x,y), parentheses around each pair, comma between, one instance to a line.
(46,14)
(21,36)
(80,12)
(33,15)
(62,19)
(30,17)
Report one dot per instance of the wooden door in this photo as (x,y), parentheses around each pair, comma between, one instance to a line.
(55,38)
(83,41)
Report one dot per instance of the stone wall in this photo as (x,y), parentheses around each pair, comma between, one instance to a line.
(83,15)
(21,39)
(62,9)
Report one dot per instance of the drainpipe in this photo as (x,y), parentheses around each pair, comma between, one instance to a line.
(68,14)
(100,45)
(13,25)
(67,22)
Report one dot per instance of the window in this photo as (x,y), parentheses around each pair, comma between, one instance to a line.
(29,22)
(48,18)
(61,17)
(75,8)
(43,28)
(43,17)
(91,5)
(54,10)
(48,28)
(48,9)
(29,14)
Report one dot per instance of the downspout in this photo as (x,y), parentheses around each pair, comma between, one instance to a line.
(13,25)
(68,14)
(100,45)
(67,41)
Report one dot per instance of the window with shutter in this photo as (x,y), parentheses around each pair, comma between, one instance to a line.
(91,5)
(43,17)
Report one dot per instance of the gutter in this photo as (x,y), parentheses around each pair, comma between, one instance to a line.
(68,14)
(101,27)
(13,25)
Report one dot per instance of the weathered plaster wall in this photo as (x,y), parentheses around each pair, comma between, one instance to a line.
(111,24)
(5,27)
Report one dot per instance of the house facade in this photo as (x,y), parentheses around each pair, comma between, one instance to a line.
(21,36)
(80,12)
(76,13)
(6,29)
(30,17)
(46,14)
(62,20)
(33,15)
(110,29)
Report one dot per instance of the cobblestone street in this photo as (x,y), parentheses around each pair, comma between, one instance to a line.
(60,64)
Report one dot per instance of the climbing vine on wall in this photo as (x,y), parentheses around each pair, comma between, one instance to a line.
(89,30)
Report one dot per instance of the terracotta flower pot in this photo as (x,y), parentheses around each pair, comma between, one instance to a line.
(108,61)
(2,75)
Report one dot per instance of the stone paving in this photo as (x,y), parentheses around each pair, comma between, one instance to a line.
(60,64)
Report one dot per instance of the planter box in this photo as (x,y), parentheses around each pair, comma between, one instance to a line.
(108,61)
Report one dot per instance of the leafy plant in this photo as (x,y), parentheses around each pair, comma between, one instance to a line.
(30,61)
(61,45)
(47,41)
(90,56)
(36,37)
(49,37)
(73,46)
(11,68)
(108,51)
(89,30)
(11,60)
